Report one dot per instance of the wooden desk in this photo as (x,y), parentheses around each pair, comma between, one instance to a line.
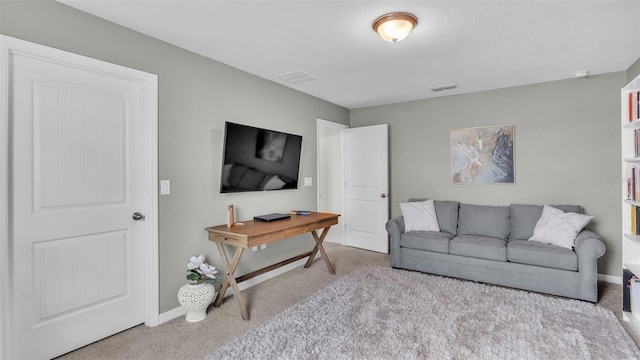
(256,233)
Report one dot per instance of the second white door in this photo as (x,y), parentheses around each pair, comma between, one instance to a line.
(366,187)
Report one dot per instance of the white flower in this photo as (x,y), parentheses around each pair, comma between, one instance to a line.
(195,262)
(199,271)
(208,270)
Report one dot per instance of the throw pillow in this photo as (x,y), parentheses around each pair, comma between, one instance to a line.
(559,228)
(419,216)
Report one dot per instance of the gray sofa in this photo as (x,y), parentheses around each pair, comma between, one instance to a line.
(490,244)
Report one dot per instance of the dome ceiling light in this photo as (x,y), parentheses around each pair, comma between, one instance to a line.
(394,27)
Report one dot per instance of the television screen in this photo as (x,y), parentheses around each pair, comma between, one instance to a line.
(258,159)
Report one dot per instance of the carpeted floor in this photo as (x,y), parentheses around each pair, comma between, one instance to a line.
(178,339)
(383,313)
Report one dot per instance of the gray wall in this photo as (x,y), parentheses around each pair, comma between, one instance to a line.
(634,70)
(567,148)
(196,97)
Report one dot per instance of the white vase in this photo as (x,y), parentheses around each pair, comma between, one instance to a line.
(195,299)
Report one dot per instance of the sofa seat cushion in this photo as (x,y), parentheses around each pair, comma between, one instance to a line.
(490,221)
(426,240)
(540,254)
(483,247)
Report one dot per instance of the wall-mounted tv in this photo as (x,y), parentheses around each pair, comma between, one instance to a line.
(256,159)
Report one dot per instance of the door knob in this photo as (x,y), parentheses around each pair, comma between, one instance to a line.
(383,195)
(137,216)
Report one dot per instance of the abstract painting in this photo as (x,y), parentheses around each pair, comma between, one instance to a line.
(270,145)
(482,155)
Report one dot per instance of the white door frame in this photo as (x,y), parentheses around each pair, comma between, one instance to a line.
(340,196)
(150,97)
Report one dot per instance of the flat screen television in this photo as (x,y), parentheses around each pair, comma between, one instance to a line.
(257,159)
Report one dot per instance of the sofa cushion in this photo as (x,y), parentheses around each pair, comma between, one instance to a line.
(483,247)
(426,240)
(420,216)
(557,227)
(539,254)
(447,214)
(525,217)
(492,221)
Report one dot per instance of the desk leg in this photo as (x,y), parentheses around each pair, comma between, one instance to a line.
(230,279)
(319,240)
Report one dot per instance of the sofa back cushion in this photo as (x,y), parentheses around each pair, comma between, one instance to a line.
(447,214)
(525,217)
(480,220)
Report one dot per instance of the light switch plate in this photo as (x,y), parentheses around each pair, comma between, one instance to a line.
(165,187)
(308,181)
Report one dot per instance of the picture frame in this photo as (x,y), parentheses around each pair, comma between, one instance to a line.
(483,155)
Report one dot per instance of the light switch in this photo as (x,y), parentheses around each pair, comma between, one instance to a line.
(308,181)
(165,187)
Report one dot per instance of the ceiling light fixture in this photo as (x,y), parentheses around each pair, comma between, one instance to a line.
(394,27)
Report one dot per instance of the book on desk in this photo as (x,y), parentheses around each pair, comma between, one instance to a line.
(299,212)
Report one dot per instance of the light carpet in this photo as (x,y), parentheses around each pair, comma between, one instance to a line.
(383,313)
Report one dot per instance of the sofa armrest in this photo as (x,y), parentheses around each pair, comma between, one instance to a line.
(395,228)
(589,247)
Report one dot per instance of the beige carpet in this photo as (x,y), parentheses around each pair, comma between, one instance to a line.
(178,339)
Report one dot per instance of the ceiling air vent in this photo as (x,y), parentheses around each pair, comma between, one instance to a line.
(296,77)
(444,87)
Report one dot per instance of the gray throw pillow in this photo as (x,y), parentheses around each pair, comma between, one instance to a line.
(480,220)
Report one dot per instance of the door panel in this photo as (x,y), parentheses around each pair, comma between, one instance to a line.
(366,187)
(77,168)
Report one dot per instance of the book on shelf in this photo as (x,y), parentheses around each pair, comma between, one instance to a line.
(634,297)
(633,107)
(634,216)
(633,183)
(627,275)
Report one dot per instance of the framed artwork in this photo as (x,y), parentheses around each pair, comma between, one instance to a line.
(483,155)
(270,145)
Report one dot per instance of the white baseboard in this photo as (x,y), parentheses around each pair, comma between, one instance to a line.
(610,278)
(334,240)
(179,311)
(171,314)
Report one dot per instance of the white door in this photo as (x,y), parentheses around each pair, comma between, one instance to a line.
(366,187)
(79,160)
(331,175)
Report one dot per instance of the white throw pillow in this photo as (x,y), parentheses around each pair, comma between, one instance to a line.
(559,228)
(419,216)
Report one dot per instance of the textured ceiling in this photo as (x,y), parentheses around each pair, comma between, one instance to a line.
(478,45)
